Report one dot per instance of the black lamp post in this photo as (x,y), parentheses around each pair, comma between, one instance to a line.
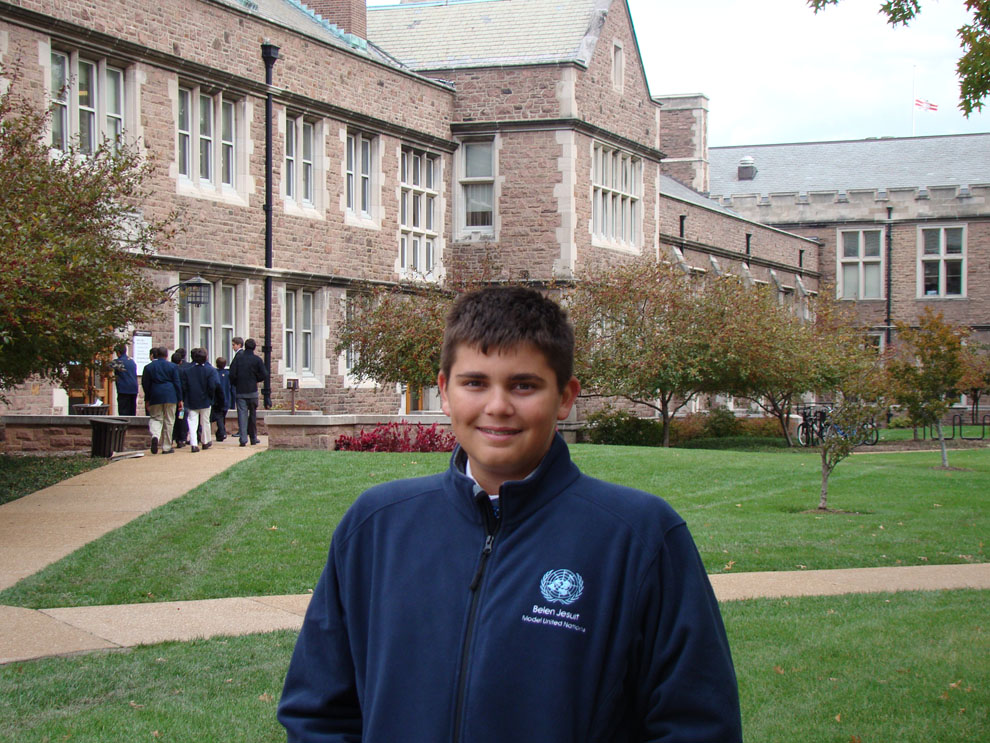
(269,53)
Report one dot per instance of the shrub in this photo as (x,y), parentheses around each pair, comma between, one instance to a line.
(720,422)
(397,437)
(763,427)
(622,428)
(902,420)
(685,428)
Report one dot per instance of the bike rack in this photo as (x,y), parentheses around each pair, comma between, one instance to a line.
(957,421)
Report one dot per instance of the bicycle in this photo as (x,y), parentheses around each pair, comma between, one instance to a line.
(813,426)
(867,434)
(816,426)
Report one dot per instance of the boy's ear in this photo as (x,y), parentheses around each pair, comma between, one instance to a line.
(442,384)
(571,391)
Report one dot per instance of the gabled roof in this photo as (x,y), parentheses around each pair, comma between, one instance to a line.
(905,162)
(484,33)
(295,15)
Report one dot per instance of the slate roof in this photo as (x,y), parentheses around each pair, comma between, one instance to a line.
(674,188)
(484,33)
(295,15)
(903,162)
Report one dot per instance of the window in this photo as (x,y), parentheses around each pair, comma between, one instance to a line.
(195,325)
(207,139)
(228,317)
(299,160)
(616,188)
(198,325)
(418,208)
(350,353)
(618,66)
(298,330)
(860,264)
(477,183)
(942,262)
(88,102)
(360,161)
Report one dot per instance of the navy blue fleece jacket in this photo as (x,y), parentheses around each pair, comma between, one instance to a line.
(582,614)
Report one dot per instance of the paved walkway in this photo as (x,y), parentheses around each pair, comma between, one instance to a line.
(45,526)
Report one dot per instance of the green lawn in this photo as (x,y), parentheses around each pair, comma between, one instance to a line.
(906,667)
(909,667)
(21,476)
(264,527)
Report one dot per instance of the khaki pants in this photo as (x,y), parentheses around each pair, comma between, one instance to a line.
(196,416)
(162,418)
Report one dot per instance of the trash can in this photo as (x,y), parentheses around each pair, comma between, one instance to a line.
(91,409)
(108,436)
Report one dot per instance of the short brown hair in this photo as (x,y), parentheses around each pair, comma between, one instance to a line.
(503,317)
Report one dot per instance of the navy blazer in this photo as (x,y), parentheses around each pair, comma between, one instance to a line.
(125,375)
(160,382)
(199,385)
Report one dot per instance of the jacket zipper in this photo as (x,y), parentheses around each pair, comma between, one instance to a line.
(491,528)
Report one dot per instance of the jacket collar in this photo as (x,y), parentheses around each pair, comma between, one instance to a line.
(517,499)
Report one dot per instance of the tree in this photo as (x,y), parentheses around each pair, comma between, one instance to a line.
(975,378)
(926,370)
(760,350)
(394,334)
(857,403)
(638,336)
(974,64)
(73,245)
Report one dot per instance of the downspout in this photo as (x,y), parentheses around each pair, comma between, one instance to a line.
(269,53)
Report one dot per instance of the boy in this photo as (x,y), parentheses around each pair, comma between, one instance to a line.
(223,401)
(510,599)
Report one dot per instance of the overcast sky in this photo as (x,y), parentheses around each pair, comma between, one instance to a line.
(776,72)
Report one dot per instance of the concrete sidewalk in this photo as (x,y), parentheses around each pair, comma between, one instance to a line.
(45,526)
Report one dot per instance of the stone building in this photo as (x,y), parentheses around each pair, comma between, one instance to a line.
(530,137)
(903,223)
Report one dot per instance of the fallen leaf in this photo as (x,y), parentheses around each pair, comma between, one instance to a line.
(779,670)
(838,718)
(135,705)
(729,564)
(266,697)
(273,527)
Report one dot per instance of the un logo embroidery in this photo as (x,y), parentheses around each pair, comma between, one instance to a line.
(562,586)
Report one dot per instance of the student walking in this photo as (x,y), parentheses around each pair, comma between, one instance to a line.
(199,386)
(163,396)
(223,399)
(246,371)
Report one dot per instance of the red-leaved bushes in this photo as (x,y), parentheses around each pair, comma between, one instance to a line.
(402,437)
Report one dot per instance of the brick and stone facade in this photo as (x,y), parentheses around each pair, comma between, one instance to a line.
(359,113)
(900,191)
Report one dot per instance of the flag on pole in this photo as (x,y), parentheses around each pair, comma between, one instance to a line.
(925,105)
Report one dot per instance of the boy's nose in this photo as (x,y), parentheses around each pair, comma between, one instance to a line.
(499,403)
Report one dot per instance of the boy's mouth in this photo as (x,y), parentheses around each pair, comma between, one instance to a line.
(500,432)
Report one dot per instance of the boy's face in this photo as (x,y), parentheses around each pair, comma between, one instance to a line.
(504,407)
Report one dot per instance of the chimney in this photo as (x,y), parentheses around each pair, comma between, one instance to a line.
(747,168)
(348,15)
